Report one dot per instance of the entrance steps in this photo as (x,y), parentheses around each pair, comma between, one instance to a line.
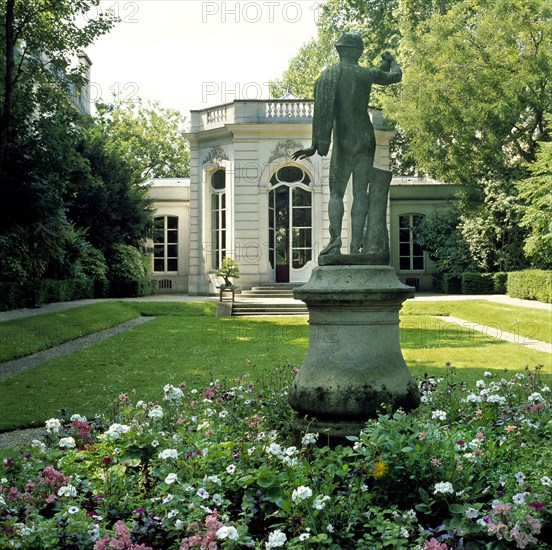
(274,299)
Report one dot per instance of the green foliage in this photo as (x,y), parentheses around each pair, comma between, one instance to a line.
(127,263)
(536,192)
(531,284)
(148,138)
(469,468)
(475,88)
(128,288)
(499,282)
(228,269)
(92,263)
(477,283)
(438,234)
(447,283)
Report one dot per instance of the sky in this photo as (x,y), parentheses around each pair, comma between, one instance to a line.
(193,54)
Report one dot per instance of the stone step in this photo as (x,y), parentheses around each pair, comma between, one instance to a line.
(267,293)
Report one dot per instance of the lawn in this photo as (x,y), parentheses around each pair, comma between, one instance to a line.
(187,343)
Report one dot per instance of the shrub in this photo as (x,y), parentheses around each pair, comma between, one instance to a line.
(126,263)
(532,284)
(499,282)
(125,288)
(12,296)
(448,284)
(477,283)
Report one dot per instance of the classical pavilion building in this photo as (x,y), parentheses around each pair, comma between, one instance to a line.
(246,198)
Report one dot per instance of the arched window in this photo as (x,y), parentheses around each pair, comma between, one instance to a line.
(218,218)
(411,255)
(165,244)
(290,221)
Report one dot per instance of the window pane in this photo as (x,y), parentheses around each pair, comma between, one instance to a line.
(223,200)
(302,217)
(302,238)
(159,251)
(404,221)
(172,264)
(158,265)
(290,174)
(158,236)
(159,223)
(172,237)
(404,264)
(218,180)
(214,201)
(404,249)
(418,262)
(172,222)
(301,197)
(404,235)
(172,251)
(417,250)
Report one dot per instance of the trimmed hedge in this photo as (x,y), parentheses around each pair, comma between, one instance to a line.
(448,284)
(14,295)
(477,283)
(500,280)
(131,288)
(531,284)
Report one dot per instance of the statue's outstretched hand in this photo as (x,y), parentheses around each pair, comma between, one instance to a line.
(386,56)
(303,153)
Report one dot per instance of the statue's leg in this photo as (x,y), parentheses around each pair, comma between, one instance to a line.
(340,172)
(376,240)
(359,210)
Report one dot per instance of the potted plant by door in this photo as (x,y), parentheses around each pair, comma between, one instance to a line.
(228,269)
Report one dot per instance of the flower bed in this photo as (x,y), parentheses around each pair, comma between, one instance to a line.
(216,468)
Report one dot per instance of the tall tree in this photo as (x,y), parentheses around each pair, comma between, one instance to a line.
(40,40)
(476,85)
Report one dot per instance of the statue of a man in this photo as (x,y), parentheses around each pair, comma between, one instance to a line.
(341,98)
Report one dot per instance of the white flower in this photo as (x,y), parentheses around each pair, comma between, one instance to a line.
(141,405)
(171,478)
(227,532)
(94,532)
(487,373)
(535,396)
(156,412)
(443,488)
(115,431)
(471,513)
(155,443)
(291,451)
(276,539)
(320,502)
(480,384)
(204,424)
(179,524)
(231,469)
(301,493)
(73,510)
(53,425)
(78,418)
(172,393)
(173,513)
(309,439)
(520,478)
(519,498)
(439,414)
(304,536)
(67,442)
(274,449)
(168,453)
(213,479)
(223,414)
(410,514)
(545,389)
(217,499)
(546,481)
(496,399)
(330,528)
(202,493)
(67,491)
(290,462)
(404,533)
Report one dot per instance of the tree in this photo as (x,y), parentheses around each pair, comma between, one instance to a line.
(40,40)
(149,138)
(476,85)
(536,192)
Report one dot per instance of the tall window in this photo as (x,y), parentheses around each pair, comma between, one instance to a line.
(165,244)
(218,218)
(411,255)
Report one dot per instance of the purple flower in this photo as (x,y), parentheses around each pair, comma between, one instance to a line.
(460,442)
(537,505)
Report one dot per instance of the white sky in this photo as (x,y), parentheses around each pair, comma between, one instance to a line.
(192,54)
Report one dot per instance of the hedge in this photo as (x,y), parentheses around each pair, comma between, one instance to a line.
(14,295)
(477,283)
(123,288)
(448,284)
(532,284)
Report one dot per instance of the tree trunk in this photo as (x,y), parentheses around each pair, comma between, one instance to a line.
(5,117)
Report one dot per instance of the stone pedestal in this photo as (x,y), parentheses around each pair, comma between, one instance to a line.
(354,363)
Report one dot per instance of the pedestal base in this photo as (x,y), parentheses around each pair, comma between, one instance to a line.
(354,365)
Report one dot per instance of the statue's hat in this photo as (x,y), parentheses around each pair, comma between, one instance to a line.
(350,40)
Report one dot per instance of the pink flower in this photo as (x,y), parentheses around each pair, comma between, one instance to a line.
(434,544)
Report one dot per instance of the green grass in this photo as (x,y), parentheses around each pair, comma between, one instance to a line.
(22,337)
(187,343)
(527,323)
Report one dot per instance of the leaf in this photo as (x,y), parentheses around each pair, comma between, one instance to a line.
(424,495)
(456,508)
